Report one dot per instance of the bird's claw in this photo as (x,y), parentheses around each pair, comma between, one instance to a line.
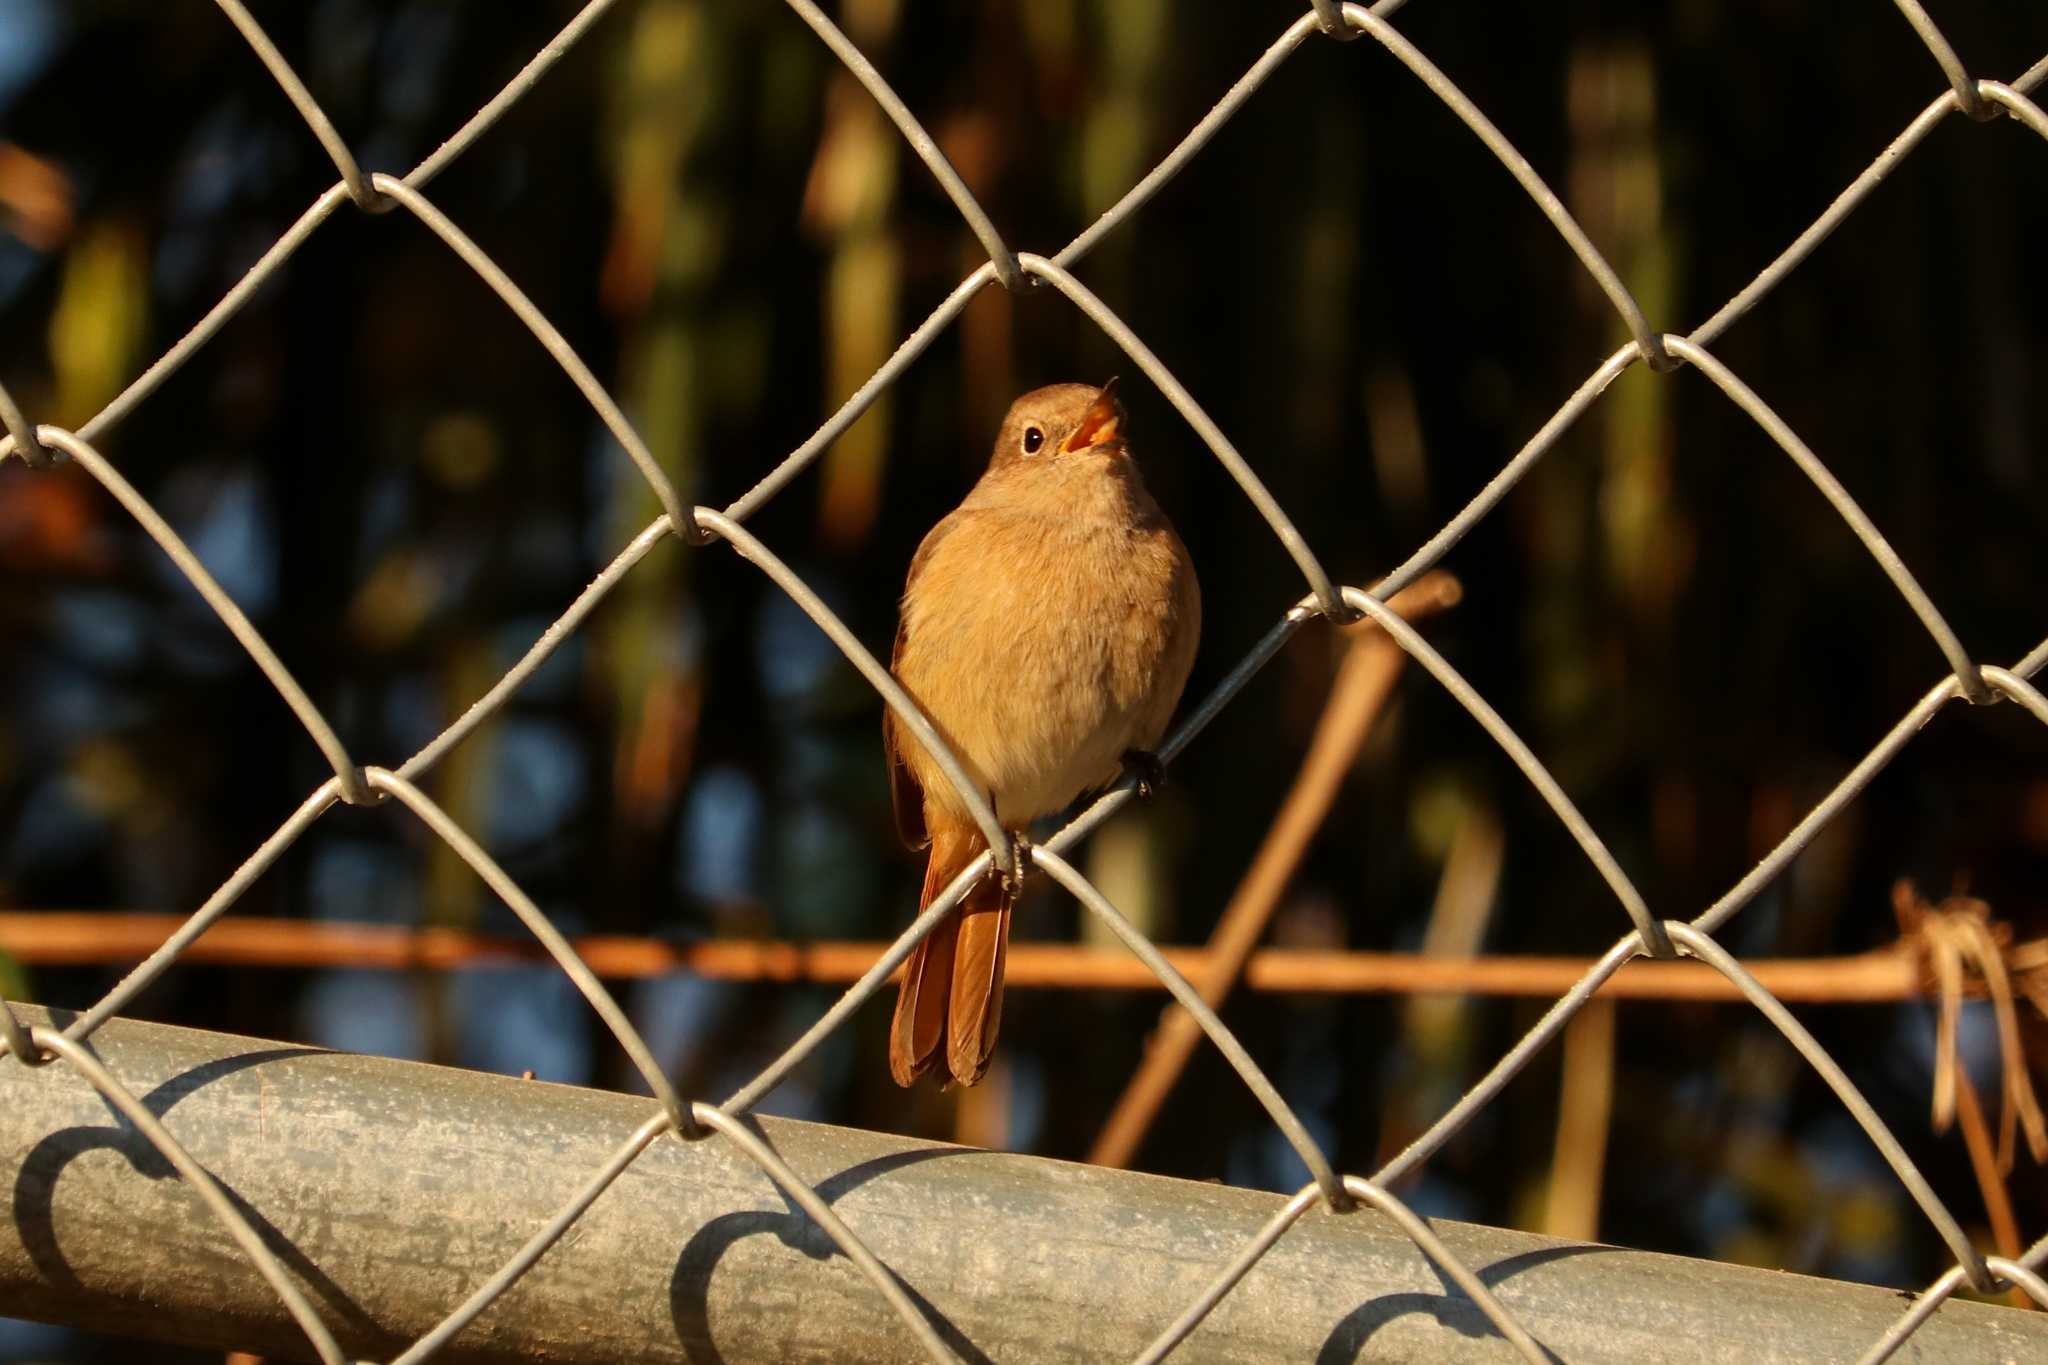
(1144,765)
(1020,863)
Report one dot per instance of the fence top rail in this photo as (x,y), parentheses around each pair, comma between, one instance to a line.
(681,1241)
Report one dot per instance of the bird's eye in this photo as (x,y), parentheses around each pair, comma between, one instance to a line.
(1033,439)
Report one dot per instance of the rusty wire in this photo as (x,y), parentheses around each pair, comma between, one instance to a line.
(41,447)
(1898,971)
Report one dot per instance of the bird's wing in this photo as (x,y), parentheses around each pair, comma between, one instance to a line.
(1177,659)
(904,792)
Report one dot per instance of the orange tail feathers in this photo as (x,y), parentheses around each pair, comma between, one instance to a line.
(950,1002)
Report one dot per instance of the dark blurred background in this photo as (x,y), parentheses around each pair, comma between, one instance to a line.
(403,490)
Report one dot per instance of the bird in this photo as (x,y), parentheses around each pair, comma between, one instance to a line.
(1046,629)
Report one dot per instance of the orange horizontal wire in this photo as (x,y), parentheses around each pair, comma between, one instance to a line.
(56,938)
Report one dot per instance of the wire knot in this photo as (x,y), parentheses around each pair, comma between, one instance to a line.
(1656,943)
(20,1040)
(688,1126)
(357,788)
(1978,105)
(21,437)
(1009,272)
(365,194)
(1331,20)
(32,451)
(1650,346)
(1341,610)
(694,531)
(1976,690)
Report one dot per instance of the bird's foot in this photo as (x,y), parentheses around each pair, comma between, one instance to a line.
(1144,765)
(1020,863)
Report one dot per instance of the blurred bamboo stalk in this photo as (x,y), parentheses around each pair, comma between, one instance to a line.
(673,97)
(1364,681)
(1616,187)
(1457,920)
(849,205)
(1585,1106)
(100,318)
(454,895)
(1436,1033)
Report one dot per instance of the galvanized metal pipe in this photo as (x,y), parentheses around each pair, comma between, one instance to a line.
(392,1190)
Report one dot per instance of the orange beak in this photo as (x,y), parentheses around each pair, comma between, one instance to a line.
(1101,424)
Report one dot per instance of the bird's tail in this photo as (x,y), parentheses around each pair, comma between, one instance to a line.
(950,1002)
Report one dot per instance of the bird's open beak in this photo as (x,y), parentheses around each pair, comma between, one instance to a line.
(1100,425)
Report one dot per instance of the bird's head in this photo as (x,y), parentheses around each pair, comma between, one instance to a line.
(1061,422)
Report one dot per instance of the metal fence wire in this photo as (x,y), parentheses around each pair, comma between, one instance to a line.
(689,1121)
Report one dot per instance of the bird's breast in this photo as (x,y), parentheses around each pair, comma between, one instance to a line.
(1040,646)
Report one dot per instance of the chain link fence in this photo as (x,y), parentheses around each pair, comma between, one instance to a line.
(685,1120)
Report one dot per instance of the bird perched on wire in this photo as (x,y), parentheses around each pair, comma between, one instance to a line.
(1047,629)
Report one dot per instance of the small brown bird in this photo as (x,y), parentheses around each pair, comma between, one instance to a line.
(1047,629)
